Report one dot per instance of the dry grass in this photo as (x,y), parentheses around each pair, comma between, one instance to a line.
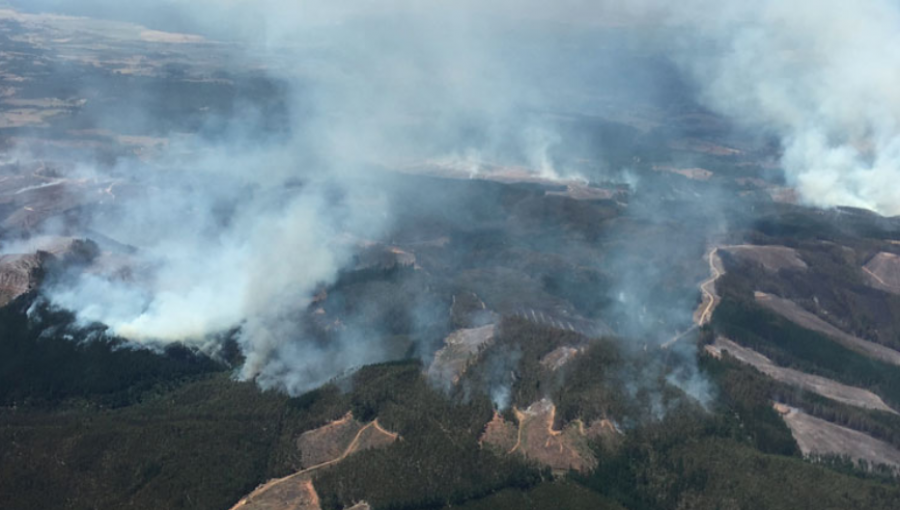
(773,258)
(819,437)
(805,319)
(536,439)
(320,448)
(883,272)
(820,385)
(697,174)
(557,358)
(500,434)
(460,349)
(18,275)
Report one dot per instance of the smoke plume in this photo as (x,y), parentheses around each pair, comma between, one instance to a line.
(239,230)
(819,76)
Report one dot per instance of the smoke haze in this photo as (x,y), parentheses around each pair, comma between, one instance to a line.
(241,229)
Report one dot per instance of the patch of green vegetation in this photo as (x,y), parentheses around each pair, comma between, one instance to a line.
(514,359)
(590,390)
(548,495)
(861,468)
(203,445)
(744,408)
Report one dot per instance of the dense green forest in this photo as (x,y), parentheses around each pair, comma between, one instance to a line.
(203,441)
(88,422)
(46,358)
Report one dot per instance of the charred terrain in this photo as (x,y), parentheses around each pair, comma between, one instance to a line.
(662,327)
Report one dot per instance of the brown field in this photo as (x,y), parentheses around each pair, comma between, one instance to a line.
(294,494)
(784,195)
(557,358)
(18,275)
(703,147)
(460,348)
(329,442)
(500,434)
(698,174)
(336,441)
(536,439)
(819,437)
(383,257)
(883,272)
(574,188)
(803,318)
(155,36)
(825,387)
(585,192)
(773,258)
(28,198)
(324,447)
(22,267)
(28,117)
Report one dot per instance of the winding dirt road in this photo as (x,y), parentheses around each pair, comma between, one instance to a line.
(708,288)
(262,490)
(710,298)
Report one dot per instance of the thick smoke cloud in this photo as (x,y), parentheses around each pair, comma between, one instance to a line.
(821,77)
(238,232)
(218,250)
(242,231)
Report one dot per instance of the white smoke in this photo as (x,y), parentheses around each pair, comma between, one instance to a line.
(399,80)
(200,272)
(820,75)
(240,233)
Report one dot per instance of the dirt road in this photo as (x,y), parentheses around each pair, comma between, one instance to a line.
(708,288)
(710,299)
(300,477)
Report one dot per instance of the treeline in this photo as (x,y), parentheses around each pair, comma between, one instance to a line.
(860,467)
(437,461)
(833,283)
(203,445)
(688,460)
(45,358)
(744,409)
(736,378)
(560,494)
(878,424)
(393,303)
(514,360)
(789,345)
(209,442)
(739,452)
(599,381)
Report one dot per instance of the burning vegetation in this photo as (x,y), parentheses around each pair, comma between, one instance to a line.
(354,257)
